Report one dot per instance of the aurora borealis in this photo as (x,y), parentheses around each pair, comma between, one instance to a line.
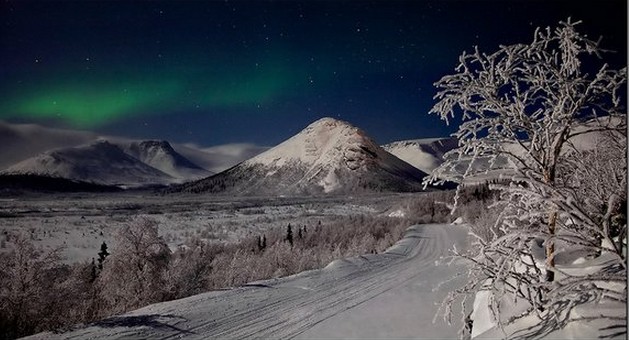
(220,72)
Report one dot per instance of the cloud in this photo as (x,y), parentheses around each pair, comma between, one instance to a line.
(220,157)
(244,150)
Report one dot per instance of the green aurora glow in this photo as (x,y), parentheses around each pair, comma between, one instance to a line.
(249,89)
(86,105)
(96,101)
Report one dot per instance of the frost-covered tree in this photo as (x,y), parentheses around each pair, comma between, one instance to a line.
(28,295)
(189,270)
(524,104)
(528,111)
(134,274)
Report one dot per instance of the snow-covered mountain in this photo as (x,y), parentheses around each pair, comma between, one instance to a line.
(328,156)
(100,162)
(424,154)
(161,156)
(22,141)
(19,142)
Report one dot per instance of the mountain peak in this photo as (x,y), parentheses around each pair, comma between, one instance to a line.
(327,156)
(102,161)
(324,141)
(328,122)
(161,155)
(99,162)
(425,154)
(331,124)
(156,144)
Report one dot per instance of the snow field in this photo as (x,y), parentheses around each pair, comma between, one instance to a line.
(80,224)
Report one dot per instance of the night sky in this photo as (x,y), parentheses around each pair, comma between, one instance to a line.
(231,71)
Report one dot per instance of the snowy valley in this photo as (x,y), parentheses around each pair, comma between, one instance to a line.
(330,180)
(513,227)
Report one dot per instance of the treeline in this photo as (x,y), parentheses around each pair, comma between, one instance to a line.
(38,292)
(12,185)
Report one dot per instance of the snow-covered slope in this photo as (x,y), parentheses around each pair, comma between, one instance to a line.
(100,162)
(328,156)
(161,156)
(424,154)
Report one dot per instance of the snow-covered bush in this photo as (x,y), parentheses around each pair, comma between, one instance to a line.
(189,270)
(28,292)
(530,112)
(314,246)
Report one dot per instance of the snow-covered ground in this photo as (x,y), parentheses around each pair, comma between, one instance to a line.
(395,294)
(81,222)
(588,320)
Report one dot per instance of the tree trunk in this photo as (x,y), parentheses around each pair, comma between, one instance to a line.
(550,247)
(549,178)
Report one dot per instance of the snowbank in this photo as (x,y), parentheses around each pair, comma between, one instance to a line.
(591,319)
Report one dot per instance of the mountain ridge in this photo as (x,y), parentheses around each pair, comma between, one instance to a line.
(162,156)
(100,162)
(425,154)
(328,156)
(121,162)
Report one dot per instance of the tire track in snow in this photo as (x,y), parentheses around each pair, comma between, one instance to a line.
(330,297)
(342,295)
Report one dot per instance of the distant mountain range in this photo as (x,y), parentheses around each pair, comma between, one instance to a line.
(328,156)
(102,162)
(19,142)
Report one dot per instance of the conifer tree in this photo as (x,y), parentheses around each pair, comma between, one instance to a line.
(289,235)
(102,255)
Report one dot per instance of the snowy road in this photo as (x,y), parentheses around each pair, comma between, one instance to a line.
(394,294)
